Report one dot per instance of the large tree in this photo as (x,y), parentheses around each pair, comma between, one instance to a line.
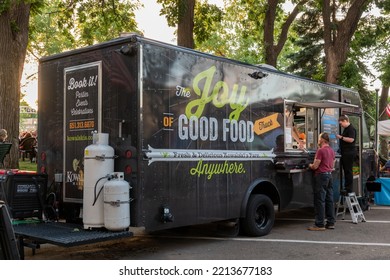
(234,34)
(383,66)
(274,47)
(180,14)
(68,24)
(192,18)
(254,31)
(14,23)
(338,33)
(86,21)
(185,27)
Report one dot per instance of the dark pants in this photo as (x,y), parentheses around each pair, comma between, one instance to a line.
(323,200)
(347,164)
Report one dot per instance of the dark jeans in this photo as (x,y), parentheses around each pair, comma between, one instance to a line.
(347,164)
(323,200)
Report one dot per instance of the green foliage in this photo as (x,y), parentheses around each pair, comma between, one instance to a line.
(98,23)
(14,26)
(240,33)
(27,165)
(235,36)
(384,5)
(4,6)
(23,103)
(205,21)
(380,33)
(308,60)
(384,68)
(36,5)
(171,9)
(66,24)
(206,17)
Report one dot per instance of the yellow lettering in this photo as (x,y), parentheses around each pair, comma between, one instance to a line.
(200,103)
(221,99)
(240,104)
(219,96)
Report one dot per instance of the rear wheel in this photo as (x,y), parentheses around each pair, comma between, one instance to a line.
(260,216)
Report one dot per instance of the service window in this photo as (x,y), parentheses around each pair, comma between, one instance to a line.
(311,128)
(299,127)
(295,126)
(304,121)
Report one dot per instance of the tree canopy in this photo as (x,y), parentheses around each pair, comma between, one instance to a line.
(47,27)
(65,24)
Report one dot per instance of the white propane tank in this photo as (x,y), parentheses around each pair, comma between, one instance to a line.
(117,203)
(98,163)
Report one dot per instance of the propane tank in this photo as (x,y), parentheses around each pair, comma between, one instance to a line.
(117,203)
(98,164)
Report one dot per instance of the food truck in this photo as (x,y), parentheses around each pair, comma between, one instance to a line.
(198,138)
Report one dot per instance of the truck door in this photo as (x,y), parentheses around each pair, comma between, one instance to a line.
(356,121)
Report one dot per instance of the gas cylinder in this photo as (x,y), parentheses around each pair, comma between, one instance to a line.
(116,203)
(98,164)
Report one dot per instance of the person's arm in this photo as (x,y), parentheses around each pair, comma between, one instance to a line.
(345,139)
(295,135)
(350,135)
(315,164)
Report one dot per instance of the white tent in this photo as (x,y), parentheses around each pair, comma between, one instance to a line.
(384,128)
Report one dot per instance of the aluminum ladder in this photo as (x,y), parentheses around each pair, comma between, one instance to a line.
(355,210)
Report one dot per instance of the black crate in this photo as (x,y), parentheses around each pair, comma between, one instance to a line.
(24,194)
(373,186)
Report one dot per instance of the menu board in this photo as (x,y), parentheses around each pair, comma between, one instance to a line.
(330,125)
(82,95)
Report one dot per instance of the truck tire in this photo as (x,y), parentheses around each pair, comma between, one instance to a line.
(260,216)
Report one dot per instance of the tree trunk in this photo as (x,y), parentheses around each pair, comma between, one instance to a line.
(338,35)
(272,49)
(13,44)
(185,27)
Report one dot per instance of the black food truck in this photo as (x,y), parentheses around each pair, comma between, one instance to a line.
(198,138)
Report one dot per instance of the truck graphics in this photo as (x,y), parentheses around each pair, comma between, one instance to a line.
(200,138)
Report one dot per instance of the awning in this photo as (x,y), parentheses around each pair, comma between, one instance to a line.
(322,104)
(384,128)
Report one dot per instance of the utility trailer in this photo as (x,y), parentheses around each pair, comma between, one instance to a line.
(31,217)
(199,138)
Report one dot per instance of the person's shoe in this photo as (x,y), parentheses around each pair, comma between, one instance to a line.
(329,226)
(316,228)
(344,192)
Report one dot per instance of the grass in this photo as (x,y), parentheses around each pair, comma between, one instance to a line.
(27,165)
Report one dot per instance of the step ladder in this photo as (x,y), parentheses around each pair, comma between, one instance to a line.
(350,201)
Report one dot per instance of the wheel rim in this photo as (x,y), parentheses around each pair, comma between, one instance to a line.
(261,216)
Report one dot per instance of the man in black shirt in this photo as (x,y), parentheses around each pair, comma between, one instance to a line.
(347,150)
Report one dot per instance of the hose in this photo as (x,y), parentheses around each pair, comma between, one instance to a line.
(109,177)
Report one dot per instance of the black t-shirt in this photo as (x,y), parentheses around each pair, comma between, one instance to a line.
(347,147)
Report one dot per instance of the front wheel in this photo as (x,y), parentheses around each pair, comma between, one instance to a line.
(260,216)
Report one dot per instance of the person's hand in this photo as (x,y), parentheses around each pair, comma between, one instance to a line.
(338,136)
